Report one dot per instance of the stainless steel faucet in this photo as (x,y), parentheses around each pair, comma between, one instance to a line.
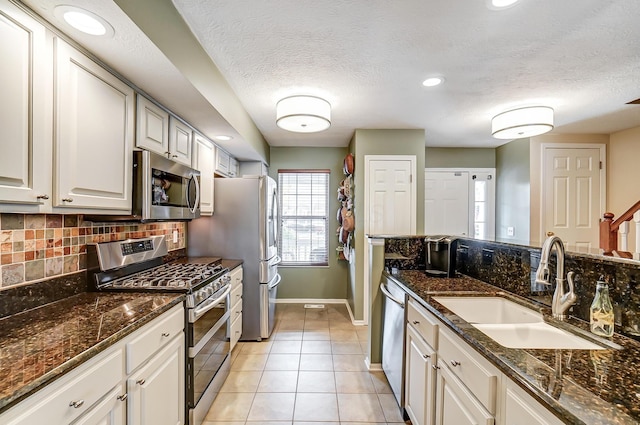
(561,300)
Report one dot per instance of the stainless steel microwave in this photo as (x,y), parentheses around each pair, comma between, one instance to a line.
(163,190)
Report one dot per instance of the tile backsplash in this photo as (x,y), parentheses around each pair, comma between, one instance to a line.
(38,246)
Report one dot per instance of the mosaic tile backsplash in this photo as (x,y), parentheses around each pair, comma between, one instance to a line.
(39,246)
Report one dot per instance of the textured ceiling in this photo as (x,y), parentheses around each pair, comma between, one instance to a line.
(368,59)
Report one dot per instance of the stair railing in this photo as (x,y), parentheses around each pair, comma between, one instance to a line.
(610,228)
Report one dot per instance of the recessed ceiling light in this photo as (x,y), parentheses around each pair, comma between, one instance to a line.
(501,4)
(223,138)
(433,81)
(83,20)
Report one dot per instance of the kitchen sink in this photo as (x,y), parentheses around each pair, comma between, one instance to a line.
(535,336)
(513,325)
(489,310)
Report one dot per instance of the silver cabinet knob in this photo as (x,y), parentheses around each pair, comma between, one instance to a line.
(415,322)
(122,397)
(141,381)
(76,404)
(165,334)
(67,199)
(45,196)
(426,356)
(455,363)
(435,367)
(174,156)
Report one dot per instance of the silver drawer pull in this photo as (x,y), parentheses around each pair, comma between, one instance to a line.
(455,363)
(45,196)
(67,199)
(122,397)
(435,367)
(415,322)
(76,404)
(140,381)
(426,356)
(166,334)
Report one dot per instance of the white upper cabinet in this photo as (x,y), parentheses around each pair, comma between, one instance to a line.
(180,135)
(203,160)
(222,162)
(25,162)
(152,127)
(93,141)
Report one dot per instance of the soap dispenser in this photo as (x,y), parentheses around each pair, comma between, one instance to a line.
(601,314)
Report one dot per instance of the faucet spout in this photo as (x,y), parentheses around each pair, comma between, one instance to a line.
(561,300)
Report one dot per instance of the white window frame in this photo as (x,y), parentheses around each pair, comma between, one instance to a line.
(282,218)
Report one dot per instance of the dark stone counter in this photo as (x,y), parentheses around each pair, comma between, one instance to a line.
(39,345)
(231,264)
(596,386)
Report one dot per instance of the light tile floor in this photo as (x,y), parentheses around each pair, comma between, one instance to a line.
(310,372)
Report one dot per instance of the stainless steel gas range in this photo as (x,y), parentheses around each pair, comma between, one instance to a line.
(139,265)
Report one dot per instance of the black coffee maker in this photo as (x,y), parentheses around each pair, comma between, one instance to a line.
(440,252)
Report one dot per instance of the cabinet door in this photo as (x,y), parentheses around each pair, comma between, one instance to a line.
(522,409)
(180,137)
(203,161)
(110,411)
(156,391)
(222,162)
(94,134)
(25,76)
(455,405)
(152,129)
(420,380)
(233,167)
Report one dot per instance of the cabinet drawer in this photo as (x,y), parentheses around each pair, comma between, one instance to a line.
(152,339)
(235,298)
(236,331)
(65,402)
(236,276)
(423,322)
(472,369)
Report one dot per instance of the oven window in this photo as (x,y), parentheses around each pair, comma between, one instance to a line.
(167,189)
(208,360)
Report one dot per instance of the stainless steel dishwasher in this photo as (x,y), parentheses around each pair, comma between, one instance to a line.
(393,337)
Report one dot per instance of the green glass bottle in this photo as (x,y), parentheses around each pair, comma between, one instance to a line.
(602,320)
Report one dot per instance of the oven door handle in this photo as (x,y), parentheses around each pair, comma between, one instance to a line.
(198,312)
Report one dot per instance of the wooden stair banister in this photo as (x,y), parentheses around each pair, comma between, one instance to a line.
(609,231)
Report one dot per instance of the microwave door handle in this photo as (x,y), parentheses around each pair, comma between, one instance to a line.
(207,305)
(197,202)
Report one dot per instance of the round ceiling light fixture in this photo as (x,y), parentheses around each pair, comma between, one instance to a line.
(303,114)
(522,122)
(433,81)
(500,4)
(223,137)
(83,20)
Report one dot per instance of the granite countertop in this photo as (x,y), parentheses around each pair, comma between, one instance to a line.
(231,264)
(40,345)
(596,386)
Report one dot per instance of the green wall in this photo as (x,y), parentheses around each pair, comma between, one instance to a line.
(314,282)
(460,157)
(379,142)
(512,191)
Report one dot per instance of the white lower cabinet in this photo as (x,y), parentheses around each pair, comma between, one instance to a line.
(100,392)
(455,404)
(522,409)
(154,394)
(420,383)
(235,327)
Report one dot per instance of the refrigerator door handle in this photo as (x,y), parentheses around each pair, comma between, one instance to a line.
(276,283)
(275,261)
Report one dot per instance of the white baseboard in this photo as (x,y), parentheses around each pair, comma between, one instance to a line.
(353,320)
(374,367)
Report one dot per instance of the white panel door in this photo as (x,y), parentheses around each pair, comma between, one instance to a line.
(446,203)
(390,198)
(94,134)
(572,196)
(25,162)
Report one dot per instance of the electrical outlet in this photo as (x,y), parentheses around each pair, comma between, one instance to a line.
(511,231)
(175,236)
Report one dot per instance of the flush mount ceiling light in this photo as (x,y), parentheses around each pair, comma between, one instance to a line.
(500,4)
(223,138)
(83,20)
(523,122)
(303,114)
(433,81)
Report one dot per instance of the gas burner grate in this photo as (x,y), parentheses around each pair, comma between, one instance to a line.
(170,275)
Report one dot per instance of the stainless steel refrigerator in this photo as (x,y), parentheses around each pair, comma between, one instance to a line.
(244,226)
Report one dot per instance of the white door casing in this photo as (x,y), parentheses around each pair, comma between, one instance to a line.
(573,195)
(400,191)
